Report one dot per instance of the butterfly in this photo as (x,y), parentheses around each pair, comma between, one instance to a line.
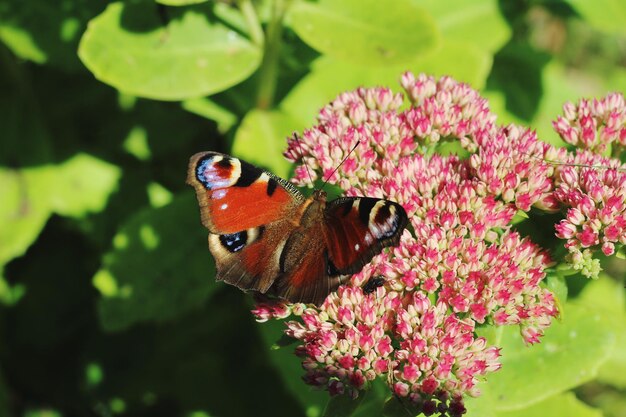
(267,237)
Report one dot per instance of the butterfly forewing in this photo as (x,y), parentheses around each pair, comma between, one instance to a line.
(235,195)
(358,228)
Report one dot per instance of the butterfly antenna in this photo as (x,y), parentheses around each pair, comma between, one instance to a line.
(569,164)
(308,171)
(340,164)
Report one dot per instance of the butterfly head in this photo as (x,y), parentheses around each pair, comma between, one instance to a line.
(320,196)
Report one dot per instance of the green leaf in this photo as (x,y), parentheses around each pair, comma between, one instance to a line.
(365,31)
(562,405)
(608,295)
(556,283)
(570,354)
(159,268)
(129,48)
(373,399)
(329,77)
(21,42)
(395,407)
(76,187)
(459,19)
(158,195)
(605,15)
(136,143)
(209,109)
(342,406)
(482,406)
(262,138)
(22,215)
(444,61)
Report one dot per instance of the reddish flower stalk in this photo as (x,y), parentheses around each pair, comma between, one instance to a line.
(463,264)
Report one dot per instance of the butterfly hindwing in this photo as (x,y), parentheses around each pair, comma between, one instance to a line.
(304,264)
(250,259)
(235,195)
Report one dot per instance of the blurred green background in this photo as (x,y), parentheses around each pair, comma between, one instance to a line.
(108,305)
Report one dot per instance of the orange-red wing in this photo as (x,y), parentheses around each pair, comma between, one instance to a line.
(309,281)
(234,195)
(357,229)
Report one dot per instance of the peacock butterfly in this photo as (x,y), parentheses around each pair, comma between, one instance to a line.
(267,237)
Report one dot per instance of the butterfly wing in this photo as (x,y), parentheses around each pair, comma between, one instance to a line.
(235,195)
(358,228)
(304,265)
(246,210)
(347,235)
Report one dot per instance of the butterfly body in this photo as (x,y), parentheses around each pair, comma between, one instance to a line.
(267,237)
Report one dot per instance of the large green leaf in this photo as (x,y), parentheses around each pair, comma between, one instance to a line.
(73,188)
(329,77)
(128,47)
(365,31)
(608,295)
(262,138)
(481,406)
(605,15)
(159,267)
(562,405)
(459,19)
(570,354)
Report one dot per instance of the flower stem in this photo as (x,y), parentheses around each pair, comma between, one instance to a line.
(271,53)
(252,20)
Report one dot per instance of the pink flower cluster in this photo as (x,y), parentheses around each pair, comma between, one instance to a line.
(462,264)
(593,188)
(594,124)
(589,185)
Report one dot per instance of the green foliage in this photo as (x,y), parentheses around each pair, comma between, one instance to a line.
(562,405)
(108,304)
(176,281)
(531,374)
(190,57)
(365,31)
